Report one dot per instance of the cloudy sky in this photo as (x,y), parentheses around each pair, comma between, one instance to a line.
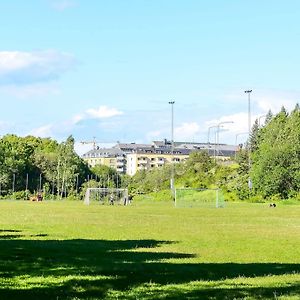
(107,69)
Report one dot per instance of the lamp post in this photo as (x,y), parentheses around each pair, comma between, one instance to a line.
(217,134)
(263,116)
(236,136)
(172,185)
(208,140)
(248,92)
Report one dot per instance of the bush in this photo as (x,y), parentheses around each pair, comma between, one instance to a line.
(164,195)
(257,199)
(21,195)
(275,198)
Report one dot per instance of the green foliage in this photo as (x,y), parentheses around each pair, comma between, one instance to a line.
(26,159)
(21,195)
(109,177)
(276,161)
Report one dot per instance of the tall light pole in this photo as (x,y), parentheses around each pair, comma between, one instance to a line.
(248,92)
(172,185)
(217,134)
(236,137)
(208,140)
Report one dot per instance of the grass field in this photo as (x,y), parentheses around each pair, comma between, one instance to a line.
(65,250)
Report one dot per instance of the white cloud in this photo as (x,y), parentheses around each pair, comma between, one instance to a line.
(67,127)
(43,131)
(77,118)
(274,100)
(235,123)
(263,100)
(153,135)
(19,68)
(187,131)
(102,112)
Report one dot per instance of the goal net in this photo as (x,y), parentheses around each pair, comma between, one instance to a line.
(108,196)
(189,197)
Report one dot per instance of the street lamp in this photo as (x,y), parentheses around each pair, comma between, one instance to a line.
(208,140)
(172,185)
(249,130)
(217,134)
(236,136)
(259,118)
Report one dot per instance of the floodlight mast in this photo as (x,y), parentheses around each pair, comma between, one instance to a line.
(172,184)
(248,92)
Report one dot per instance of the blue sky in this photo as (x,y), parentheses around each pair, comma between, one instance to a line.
(107,69)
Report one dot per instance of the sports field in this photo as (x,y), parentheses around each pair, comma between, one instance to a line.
(65,250)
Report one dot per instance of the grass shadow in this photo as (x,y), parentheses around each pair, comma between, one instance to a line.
(91,268)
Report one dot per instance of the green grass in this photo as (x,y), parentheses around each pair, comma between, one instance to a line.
(65,250)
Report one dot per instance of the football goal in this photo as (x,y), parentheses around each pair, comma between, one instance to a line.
(189,197)
(108,196)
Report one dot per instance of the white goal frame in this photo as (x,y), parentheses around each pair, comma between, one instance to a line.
(110,193)
(218,202)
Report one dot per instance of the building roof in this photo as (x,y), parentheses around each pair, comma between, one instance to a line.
(103,152)
(128,147)
(162,147)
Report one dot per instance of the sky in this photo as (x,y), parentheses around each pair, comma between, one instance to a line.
(107,70)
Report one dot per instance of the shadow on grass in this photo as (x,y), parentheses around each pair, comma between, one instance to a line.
(88,269)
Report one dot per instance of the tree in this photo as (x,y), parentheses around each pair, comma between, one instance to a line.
(275,163)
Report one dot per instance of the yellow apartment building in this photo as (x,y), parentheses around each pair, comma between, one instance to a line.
(149,158)
(110,157)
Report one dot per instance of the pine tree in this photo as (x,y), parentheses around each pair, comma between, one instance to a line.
(269,117)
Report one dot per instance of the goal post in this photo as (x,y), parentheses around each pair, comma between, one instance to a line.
(190,197)
(108,196)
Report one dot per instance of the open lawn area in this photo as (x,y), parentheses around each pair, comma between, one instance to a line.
(66,250)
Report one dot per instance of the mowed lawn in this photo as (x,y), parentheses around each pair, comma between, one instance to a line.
(66,250)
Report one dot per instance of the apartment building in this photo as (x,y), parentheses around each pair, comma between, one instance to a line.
(110,157)
(131,157)
(149,158)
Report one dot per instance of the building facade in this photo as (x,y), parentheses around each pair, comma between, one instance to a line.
(110,157)
(149,158)
(131,157)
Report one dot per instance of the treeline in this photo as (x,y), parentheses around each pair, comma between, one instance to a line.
(29,165)
(275,156)
(267,167)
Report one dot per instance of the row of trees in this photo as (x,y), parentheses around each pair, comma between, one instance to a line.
(275,155)
(274,169)
(31,164)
